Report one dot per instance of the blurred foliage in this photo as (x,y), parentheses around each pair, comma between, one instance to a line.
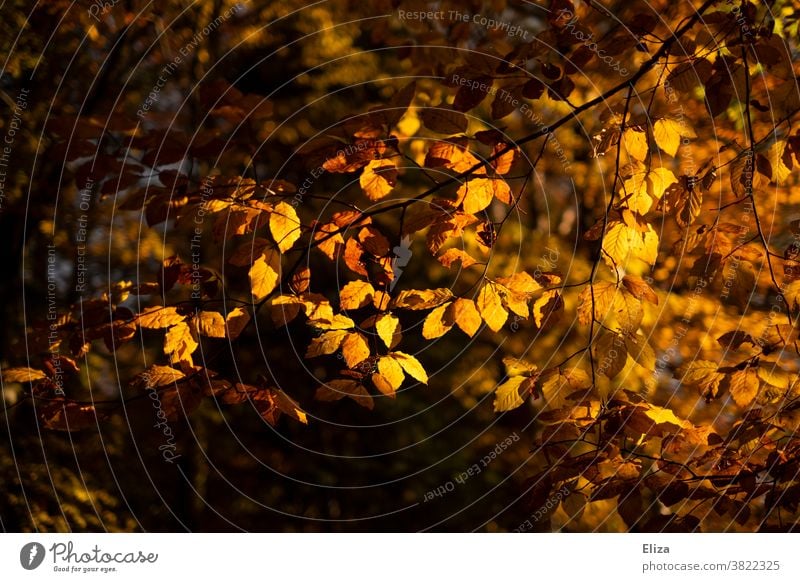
(174,170)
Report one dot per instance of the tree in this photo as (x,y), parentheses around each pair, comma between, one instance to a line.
(582,210)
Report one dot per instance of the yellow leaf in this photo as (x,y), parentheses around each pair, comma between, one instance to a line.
(518,367)
(386,325)
(326,344)
(490,306)
(179,344)
(156,376)
(354,349)
(392,371)
(337,322)
(159,317)
(635,143)
(284,226)
(450,256)
(701,375)
(477,194)
(557,384)
(209,324)
(507,396)
(664,415)
(356,294)
(378,179)
(236,321)
(622,243)
(23,375)
(421,299)
(520,282)
(775,156)
(466,316)
(328,243)
(438,322)
(668,133)
(658,180)
(744,386)
(264,273)
(383,385)
(603,295)
(411,366)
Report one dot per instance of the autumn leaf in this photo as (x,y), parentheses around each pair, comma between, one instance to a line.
(354,349)
(477,194)
(22,375)
(327,343)
(490,306)
(284,226)
(156,376)
(235,322)
(378,179)
(438,322)
(417,299)
(179,344)
(668,133)
(411,366)
(635,143)
(387,326)
(356,294)
(743,386)
(510,394)
(159,317)
(264,273)
(391,371)
(209,324)
(466,316)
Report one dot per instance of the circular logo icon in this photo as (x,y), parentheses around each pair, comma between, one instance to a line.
(31,555)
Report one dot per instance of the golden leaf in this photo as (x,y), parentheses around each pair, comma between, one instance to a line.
(378,179)
(387,327)
(450,256)
(635,143)
(156,376)
(417,299)
(411,366)
(23,375)
(668,133)
(392,371)
(179,344)
(264,273)
(477,194)
(284,225)
(159,317)
(490,306)
(354,349)
(356,294)
(466,316)
(438,322)
(326,344)
(744,386)
(209,324)
(328,243)
(507,396)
